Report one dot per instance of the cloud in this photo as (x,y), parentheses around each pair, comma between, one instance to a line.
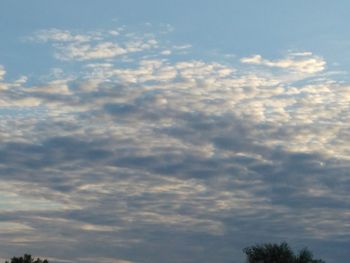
(103,50)
(57,35)
(8,85)
(93,45)
(88,52)
(304,62)
(194,159)
(13,227)
(2,72)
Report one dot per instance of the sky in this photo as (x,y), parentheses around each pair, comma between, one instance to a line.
(173,131)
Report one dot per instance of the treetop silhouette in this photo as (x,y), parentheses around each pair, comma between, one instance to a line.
(274,253)
(27,259)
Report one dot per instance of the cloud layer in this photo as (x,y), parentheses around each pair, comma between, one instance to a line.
(142,157)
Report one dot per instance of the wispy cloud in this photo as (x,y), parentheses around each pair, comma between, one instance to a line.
(303,62)
(2,72)
(57,35)
(94,45)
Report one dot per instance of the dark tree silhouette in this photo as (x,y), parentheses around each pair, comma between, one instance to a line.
(27,259)
(278,253)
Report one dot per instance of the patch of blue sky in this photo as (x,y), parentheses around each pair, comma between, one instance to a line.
(230,27)
(11,112)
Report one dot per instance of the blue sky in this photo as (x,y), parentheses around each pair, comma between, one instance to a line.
(233,27)
(173,131)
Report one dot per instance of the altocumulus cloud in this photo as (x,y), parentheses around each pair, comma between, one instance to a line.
(145,158)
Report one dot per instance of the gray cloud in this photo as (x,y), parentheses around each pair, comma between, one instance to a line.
(132,191)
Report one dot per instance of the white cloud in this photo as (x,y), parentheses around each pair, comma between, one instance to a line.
(14,84)
(2,72)
(57,35)
(11,227)
(138,45)
(304,62)
(79,51)
(209,88)
(166,52)
(114,32)
(94,45)
(182,47)
(59,87)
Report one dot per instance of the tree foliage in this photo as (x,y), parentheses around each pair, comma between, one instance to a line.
(278,253)
(27,259)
